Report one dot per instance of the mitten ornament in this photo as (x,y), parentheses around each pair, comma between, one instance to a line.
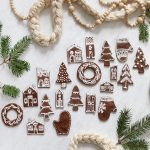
(125,78)
(140,62)
(63,77)
(106,106)
(63,125)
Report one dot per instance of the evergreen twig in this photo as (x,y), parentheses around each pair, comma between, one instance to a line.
(143,32)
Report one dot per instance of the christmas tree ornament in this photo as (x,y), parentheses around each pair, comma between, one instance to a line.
(35,128)
(129,136)
(107,87)
(63,125)
(46,109)
(74,54)
(11,55)
(63,76)
(106,55)
(140,62)
(30,97)
(90,48)
(43,78)
(125,78)
(75,99)
(19,114)
(94,68)
(123,47)
(59,99)
(106,106)
(90,106)
(113,73)
(125,9)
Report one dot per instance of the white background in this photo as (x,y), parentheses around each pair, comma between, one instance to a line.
(136,98)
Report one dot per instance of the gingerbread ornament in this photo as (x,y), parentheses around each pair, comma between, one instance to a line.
(113,73)
(75,99)
(96,70)
(74,54)
(106,107)
(125,78)
(140,62)
(106,55)
(107,87)
(62,126)
(59,99)
(90,48)
(46,109)
(17,109)
(63,76)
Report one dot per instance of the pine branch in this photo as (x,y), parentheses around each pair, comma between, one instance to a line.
(10,91)
(20,47)
(18,67)
(148,13)
(143,32)
(136,145)
(0,29)
(123,122)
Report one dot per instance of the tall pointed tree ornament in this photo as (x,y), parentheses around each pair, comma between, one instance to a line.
(46,108)
(125,78)
(140,62)
(63,76)
(106,55)
(11,55)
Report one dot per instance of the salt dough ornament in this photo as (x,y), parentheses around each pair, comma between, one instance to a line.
(30,97)
(63,125)
(113,73)
(106,107)
(43,78)
(35,128)
(63,77)
(125,78)
(106,55)
(90,106)
(74,54)
(75,99)
(90,48)
(46,109)
(17,109)
(123,47)
(140,62)
(107,87)
(59,99)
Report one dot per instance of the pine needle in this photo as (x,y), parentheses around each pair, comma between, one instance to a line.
(10,91)
(143,32)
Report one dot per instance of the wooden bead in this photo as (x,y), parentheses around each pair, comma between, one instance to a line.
(140,20)
(71,8)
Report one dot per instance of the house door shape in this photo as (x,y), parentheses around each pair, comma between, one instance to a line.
(72,58)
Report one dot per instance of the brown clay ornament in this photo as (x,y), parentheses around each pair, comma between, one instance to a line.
(43,78)
(96,70)
(90,49)
(63,77)
(63,125)
(90,103)
(46,109)
(140,62)
(30,97)
(106,107)
(74,54)
(107,87)
(123,47)
(17,109)
(75,99)
(113,73)
(125,78)
(35,128)
(59,99)
(106,55)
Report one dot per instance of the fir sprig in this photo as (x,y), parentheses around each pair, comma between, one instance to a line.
(143,32)
(11,56)
(10,90)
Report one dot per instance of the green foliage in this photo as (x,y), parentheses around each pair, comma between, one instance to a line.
(10,91)
(148,13)
(143,32)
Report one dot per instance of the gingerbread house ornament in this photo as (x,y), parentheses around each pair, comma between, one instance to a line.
(90,49)
(30,97)
(123,47)
(90,103)
(59,99)
(43,78)
(107,87)
(35,128)
(74,54)
(113,73)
